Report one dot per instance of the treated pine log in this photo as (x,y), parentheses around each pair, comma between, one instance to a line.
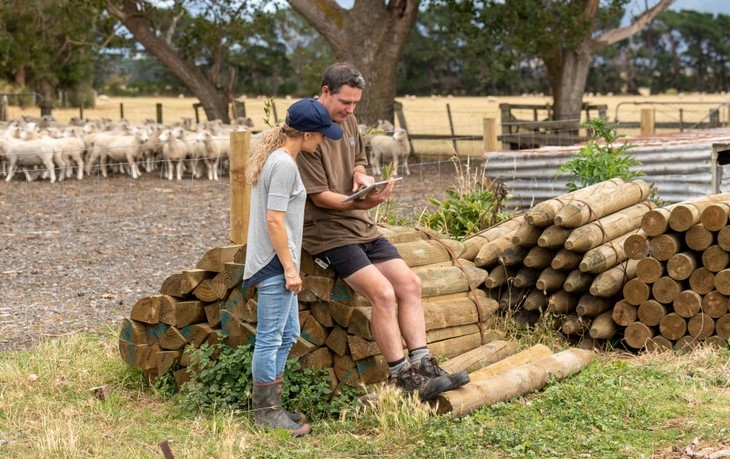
(398,234)
(624,313)
(603,326)
(314,332)
(517,381)
(605,256)
(666,289)
(190,279)
(197,334)
(183,313)
(561,302)
(550,280)
(337,341)
(230,277)
(702,280)
(575,325)
(722,281)
(341,313)
(539,257)
(577,281)
(611,282)
(347,372)
(301,347)
(525,277)
(687,303)
(636,245)
(209,292)
(673,326)
(637,334)
(513,255)
(244,309)
(489,253)
(715,304)
(699,238)
(715,216)
(480,357)
(173,340)
(453,311)
(171,285)
(166,361)
(310,268)
(722,327)
(651,312)
(216,258)
(566,260)
(361,348)
(659,343)
(424,252)
(543,213)
(591,235)
(500,230)
(591,306)
(133,331)
(136,355)
(155,332)
(685,345)
(321,311)
(237,333)
(649,270)
(512,298)
(689,213)
(715,258)
(316,288)
(498,276)
(321,357)
(531,354)
(360,322)
(154,309)
(440,334)
(636,291)
(656,222)
(457,345)
(723,238)
(681,265)
(581,212)
(717,342)
(526,235)
(536,300)
(701,326)
(553,237)
(664,246)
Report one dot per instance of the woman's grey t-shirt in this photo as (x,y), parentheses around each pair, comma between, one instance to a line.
(279,188)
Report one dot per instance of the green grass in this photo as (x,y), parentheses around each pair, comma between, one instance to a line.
(618,407)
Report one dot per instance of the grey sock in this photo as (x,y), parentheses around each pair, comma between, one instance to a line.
(416,355)
(397,367)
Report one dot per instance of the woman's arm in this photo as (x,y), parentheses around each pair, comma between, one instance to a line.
(280,241)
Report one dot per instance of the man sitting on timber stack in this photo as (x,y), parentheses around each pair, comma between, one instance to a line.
(343,236)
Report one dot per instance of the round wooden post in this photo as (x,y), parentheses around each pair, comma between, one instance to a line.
(240,191)
(490,135)
(159,112)
(647,121)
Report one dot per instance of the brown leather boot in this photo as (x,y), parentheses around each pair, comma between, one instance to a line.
(297,417)
(267,410)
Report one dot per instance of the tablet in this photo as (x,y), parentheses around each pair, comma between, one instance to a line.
(364,191)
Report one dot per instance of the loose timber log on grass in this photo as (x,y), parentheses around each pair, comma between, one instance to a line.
(424,252)
(536,300)
(517,381)
(577,281)
(673,326)
(605,256)
(539,257)
(715,216)
(566,260)
(637,334)
(590,306)
(550,280)
(702,280)
(636,245)
(681,265)
(500,230)
(603,326)
(659,343)
(480,357)
(699,238)
(590,235)
(581,212)
(687,303)
(611,282)
(715,304)
(687,214)
(526,235)
(636,292)
(666,289)
(543,213)
(649,270)
(553,237)
(624,313)
(216,258)
(701,326)
(715,258)
(651,312)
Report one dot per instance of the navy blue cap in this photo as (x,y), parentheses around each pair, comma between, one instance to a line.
(308,115)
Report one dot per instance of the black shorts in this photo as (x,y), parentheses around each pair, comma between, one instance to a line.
(349,259)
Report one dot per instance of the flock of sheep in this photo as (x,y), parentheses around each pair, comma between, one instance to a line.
(45,148)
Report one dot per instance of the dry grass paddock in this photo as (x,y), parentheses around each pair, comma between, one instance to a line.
(424,115)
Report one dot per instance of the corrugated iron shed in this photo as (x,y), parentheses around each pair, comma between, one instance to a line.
(682,166)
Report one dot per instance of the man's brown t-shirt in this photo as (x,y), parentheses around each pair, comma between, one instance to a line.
(330,169)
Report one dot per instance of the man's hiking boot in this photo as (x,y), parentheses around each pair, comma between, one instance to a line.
(430,368)
(411,380)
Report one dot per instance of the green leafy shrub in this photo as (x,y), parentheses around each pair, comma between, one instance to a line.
(596,162)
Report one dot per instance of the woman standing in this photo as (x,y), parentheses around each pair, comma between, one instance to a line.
(273,251)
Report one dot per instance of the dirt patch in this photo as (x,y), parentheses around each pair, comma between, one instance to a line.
(76,255)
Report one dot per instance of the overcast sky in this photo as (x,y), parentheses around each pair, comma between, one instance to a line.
(705,6)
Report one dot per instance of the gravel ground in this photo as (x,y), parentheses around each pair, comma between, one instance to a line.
(76,255)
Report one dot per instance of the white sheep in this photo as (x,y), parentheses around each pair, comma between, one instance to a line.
(174,151)
(214,149)
(126,150)
(395,148)
(27,154)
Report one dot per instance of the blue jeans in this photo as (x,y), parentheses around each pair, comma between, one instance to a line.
(277,329)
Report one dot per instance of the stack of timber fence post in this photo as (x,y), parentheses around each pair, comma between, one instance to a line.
(565,258)
(679,297)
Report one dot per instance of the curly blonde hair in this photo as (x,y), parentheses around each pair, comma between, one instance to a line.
(270,140)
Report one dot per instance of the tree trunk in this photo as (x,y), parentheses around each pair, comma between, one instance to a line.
(371,36)
(136,21)
(568,73)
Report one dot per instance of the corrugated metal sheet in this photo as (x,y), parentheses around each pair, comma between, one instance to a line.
(682,166)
